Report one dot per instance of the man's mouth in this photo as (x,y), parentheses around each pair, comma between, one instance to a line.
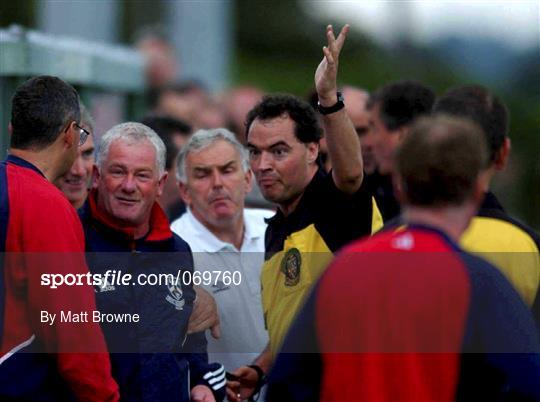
(267,181)
(220,198)
(127,201)
(74,181)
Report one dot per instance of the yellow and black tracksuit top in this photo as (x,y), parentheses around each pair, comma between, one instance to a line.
(505,242)
(509,245)
(300,246)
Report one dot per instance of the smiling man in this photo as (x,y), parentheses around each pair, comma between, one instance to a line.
(76,182)
(129,231)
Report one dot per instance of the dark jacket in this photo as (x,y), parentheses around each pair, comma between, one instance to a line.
(152,359)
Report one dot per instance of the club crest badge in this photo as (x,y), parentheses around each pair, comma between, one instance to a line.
(290,266)
(175,296)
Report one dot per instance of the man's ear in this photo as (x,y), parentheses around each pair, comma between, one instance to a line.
(184,193)
(70,139)
(398,190)
(161,183)
(501,158)
(312,152)
(402,133)
(248,177)
(95,176)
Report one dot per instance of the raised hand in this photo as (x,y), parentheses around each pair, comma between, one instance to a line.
(326,73)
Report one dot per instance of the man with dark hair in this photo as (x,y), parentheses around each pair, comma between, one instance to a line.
(306,126)
(407,315)
(174,134)
(40,234)
(393,109)
(485,109)
(318,212)
(505,242)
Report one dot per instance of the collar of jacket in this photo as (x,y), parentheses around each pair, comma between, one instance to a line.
(159,224)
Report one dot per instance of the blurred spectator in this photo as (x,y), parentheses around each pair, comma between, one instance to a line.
(355,104)
(393,109)
(174,134)
(355,100)
(161,67)
(237,103)
(76,182)
(190,102)
(504,241)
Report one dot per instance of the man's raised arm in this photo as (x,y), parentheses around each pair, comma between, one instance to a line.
(343,143)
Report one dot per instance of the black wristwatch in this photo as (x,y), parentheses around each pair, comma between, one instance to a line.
(334,108)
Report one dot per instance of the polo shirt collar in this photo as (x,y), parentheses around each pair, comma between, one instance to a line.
(213,244)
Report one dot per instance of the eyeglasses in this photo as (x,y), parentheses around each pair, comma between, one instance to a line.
(83,136)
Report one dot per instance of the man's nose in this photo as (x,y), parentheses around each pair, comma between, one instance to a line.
(217,179)
(265,161)
(77,169)
(128,184)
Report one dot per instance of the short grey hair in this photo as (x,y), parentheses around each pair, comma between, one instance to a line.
(204,138)
(86,118)
(132,132)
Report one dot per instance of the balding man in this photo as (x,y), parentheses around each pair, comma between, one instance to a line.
(355,106)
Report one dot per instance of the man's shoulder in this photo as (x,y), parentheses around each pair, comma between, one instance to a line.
(44,219)
(178,244)
(42,200)
(183,228)
(256,218)
(492,234)
(179,224)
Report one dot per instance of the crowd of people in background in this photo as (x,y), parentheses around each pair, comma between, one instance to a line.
(375,262)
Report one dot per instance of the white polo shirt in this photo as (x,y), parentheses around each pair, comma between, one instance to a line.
(243,335)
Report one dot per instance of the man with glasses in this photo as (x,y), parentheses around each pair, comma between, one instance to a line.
(37,220)
(76,181)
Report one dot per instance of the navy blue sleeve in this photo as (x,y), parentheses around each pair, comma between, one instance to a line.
(297,372)
(201,372)
(4,217)
(502,330)
(536,308)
